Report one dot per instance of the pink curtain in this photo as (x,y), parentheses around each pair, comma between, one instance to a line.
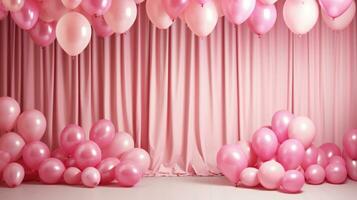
(180,96)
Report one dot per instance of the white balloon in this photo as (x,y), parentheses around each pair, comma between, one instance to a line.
(157,14)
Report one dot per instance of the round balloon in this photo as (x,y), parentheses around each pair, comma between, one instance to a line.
(101,27)
(139,156)
(330,150)
(335,8)
(157,14)
(34,153)
(262,20)
(310,157)
(102,133)
(13,174)
(175,7)
(291,154)
(13,144)
(238,11)
(106,169)
(121,143)
(51,170)
(351,166)
(350,143)
(72,176)
(280,123)
(9,111)
(341,22)
(90,177)
(87,154)
(43,33)
(315,174)
(128,174)
(52,10)
(270,174)
(336,173)
(121,15)
(292,181)
(31,125)
(27,16)
(302,129)
(249,177)
(265,143)
(71,136)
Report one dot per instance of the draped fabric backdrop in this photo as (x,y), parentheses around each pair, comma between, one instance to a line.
(183,97)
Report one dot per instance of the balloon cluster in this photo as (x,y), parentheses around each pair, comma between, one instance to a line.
(70,21)
(283,157)
(108,156)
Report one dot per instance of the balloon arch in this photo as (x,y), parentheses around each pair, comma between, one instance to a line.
(70,21)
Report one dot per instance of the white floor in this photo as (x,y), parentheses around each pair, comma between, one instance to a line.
(174,188)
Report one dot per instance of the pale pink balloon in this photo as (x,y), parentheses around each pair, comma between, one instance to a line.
(106,169)
(4,160)
(292,181)
(90,177)
(60,154)
(249,177)
(322,158)
(249,152)
(231,161)
(157,14)
(351,166)
(128,174)
(335,8)
(336,173)
(31,125)
(100,26)
(71,4)
(291,154)
(310,157)
(34,153)
(51,170)
(13,174)
(268,1)
(280,122)
(315,174)
(139,157)
(13,5)
(96,7)
(175,7)
(260,22)
(102,132)
(73,33)
(87,154)
(51,10)
(341,22)
(265,143)
(43,33)
(72,176)
(302,129)
(350,144)
(71,136)
(238,11)
(9,111)
(201,20)
(270,174)
(300,15)
(121,143)
(13,144)
(337,159)
(121,15)
(330,150)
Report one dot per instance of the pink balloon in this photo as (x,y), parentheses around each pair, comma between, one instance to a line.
(291,154)
(315,174)
(4,160)
(71,4)
(90,177)
(330,150)
(128,174)
(51,10)
(102,132)
(96,7)
(340,22)
(231,161)
(201,20)
(249,177)
(100,26)
(337,159)
(336,173)
(27,16)
(265,143)
(87,154)
(292,181)
(350,144)
(300,15)
(175,7)
(121,15)
(268,1)
(13,174)
(139,156)
(310,157)
(280,122)
(73,33)
(270,174)
(322,158)
(237,11)
(51,170)
(43,33)
(248,151)
(60,154)
(9,111)
(302,129)
(106,169)
(121,143)
(13,144)
(71,136)
(13,5)
(34,153)
(351,166)
(157,14)
(335,8)
(72,176)
(31,125)
(261,21)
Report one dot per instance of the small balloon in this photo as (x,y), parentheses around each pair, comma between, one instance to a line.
(34,153)
(265,143)
(139,156)
(13,144)
(13,174)
(106,169)
(71,136)
(102,133)
(270,174)
(9,111)
(43,33)
(302,128)
(87,154)
(315,174)
(51,170)
(90,177)
(249,177)
(128,174)
(72,176)
(31,125)
(336,173)
(292,181)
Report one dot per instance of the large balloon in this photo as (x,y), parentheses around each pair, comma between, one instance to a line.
(72,176)
(13,144)
(315,174)
(73,33)
(121,15)
(336,173)
(51,170)
(310,157)
(270,174)
(330,149)
(249,177)
(52,10)
(261,21)
(292,181)
(96,7)
(13,5)
(350,144)
(280,123)
(100,26)
(291,154)
(157,14)
(34,153)
(265,143)
(4,159)
(302,129)
(231,161)
(128,174)
(43,33)
(237,11)
(13,174)
(71,136)
(351,166)
(71,4)
(31,125)
(175,7)
(335,8)
(342,21)
(102,132)
(27,16)
(249,152)
(90,177)
(140,157)
(121,143)
(9,111)
(300,15)
(106,169)
(87,154)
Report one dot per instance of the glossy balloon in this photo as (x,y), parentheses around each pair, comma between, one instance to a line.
(351,166)
(238,11)
(315,174)
(260,22)
(335,8)
(71,4)
(34,153)
(249,152)
(87,154)
(265,143)
(96,7)
(330,150)
(27,16)
(302,129)
(13,144)
(71,136)
(5,159)
(291,154)
(341,22)
(43,33)
(106,169)
(31,125)
(270,174)
(350,143)
(13,174)
(310,157)
(128,174)
(51,171)
(139,156)
(121,143)
(121,15)
(292,181)
(102,132)
(336,173)
(9,111)
(280,123)
(13,5)
(51,10)
(249,177)
(157,14)
(72,176)
(90,177)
